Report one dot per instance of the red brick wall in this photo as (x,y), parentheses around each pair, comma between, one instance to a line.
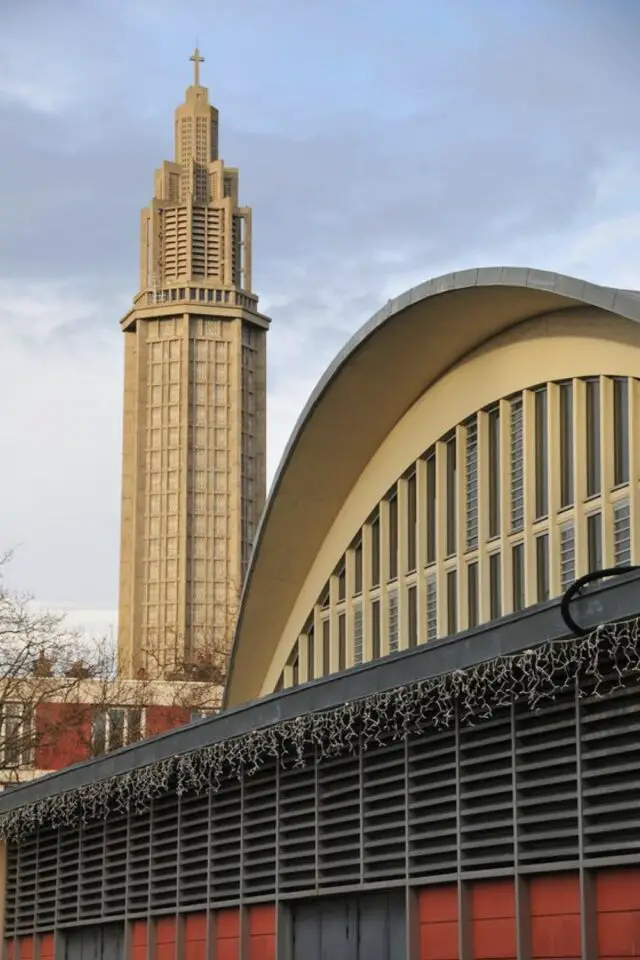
(64,731)
(64,735)
(161,719)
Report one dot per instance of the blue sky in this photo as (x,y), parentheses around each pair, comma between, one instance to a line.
(380,142)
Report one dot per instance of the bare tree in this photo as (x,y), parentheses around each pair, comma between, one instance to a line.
(37,651)
(62,698)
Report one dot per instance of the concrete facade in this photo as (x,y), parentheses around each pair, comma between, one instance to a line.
(500,463)
(194,433)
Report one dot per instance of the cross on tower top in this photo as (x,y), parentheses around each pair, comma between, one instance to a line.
(196,59)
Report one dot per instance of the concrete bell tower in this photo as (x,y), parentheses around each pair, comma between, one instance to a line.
(194,471)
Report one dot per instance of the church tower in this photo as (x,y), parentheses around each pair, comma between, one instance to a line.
(194,472)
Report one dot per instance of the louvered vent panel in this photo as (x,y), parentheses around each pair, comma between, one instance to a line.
(260,814)
(486,794)
(27,878)
(164,852)
(433,843)
(546,774)
(297,828)
(47,875)
(384,812)
(194,850)
(115,867)
(611,773)
(10,907)
(92,858)
(339,822)
(69,876)
(226,842)
(139,861)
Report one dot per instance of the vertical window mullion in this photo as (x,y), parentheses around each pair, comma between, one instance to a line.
(471,468)
(542,453)
(593,448)
(566,445)
(431,507)
(517,464)
(494,472)
(620,431)
(451,496)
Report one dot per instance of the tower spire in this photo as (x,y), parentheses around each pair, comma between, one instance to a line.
(196,60)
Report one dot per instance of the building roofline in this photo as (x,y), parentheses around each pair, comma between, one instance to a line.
(533,292)
(615,600)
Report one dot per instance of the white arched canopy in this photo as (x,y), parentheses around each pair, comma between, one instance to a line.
(390,362)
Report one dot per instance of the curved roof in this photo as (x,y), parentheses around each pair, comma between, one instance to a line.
(417,336)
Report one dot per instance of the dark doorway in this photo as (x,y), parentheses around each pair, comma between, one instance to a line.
(95,943)
(367,927)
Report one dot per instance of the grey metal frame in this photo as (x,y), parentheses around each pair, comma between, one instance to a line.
(516,795)
(614,600)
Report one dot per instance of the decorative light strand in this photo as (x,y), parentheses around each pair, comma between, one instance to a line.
(597,663)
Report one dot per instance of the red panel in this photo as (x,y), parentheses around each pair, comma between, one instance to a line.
(139,939)
(262,946)
(9,949)
(195,927)
(493,900)
(438,913)
(165,951)
(195,950)
(618,890)
(46,947)
(494,939)
(262,920)
(619,935)
(227,924)
(161,719)
(26,948)
(64,734)
(228,949)
(438,904)
(554,895)
(139,933)
(439,941)
(165,931)
(493,915)
(556,938)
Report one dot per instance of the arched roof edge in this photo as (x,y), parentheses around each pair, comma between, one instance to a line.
(625,303)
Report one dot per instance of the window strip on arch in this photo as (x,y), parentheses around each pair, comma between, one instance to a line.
(583,498)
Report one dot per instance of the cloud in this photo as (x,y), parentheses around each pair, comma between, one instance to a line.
(378,144)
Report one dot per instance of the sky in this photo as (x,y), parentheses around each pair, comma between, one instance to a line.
(380,143)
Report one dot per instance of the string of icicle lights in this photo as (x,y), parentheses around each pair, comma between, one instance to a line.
(595,663)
